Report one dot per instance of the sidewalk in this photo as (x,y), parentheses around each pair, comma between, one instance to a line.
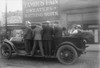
(93,47)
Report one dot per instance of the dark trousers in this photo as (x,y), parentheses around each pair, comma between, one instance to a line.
(27,45)
(40,46)
(47,47)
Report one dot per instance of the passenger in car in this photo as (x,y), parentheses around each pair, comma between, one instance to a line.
(75,29)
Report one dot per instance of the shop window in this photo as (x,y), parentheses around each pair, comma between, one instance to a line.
(90,16)
(74,17)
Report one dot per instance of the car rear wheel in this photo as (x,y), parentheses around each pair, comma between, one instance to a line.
(5,51)
(67,54)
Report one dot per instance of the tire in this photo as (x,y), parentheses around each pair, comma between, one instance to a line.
(67,54)
(5,51)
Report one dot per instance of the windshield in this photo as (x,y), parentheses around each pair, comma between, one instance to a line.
(17,33)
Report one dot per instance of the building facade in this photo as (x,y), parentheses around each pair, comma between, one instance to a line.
(87,15)
(67,12)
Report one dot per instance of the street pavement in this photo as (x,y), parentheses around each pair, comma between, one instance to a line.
(88,60)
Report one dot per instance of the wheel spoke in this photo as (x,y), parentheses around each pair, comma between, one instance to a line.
(67,55)
(5,51)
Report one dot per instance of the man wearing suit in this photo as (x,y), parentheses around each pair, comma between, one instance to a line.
(47,38)
(28,37)
(38,38)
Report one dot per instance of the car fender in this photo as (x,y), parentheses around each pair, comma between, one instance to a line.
(73,45)
(11,44)
(68,43)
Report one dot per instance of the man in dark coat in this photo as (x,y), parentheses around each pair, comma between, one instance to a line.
(47,37)
(28,37)
(57,30)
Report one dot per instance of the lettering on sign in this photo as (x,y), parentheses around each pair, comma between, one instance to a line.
(40,8)
(39,3)
(93,26)
(42,14)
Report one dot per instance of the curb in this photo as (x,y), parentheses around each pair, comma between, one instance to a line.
(93,48)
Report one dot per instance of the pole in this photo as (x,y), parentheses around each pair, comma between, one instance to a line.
(6,16)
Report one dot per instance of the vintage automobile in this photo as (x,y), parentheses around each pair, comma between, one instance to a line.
(65,49)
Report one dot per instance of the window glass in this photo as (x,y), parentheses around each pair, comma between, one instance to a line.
(90,16)
(74,17)
(17,33)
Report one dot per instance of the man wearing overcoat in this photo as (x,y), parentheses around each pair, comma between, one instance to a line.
(47,37)
(28,37)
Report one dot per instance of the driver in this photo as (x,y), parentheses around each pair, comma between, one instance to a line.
(28,37)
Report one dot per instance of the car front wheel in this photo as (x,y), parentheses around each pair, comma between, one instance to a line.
(5,51)
(67,54)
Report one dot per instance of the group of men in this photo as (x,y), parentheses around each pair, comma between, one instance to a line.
(42,35)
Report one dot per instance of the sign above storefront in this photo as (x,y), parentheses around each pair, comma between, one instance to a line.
(93,26)
(40,10)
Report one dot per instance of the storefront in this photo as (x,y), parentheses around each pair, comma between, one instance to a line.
(87,17)
(85,13)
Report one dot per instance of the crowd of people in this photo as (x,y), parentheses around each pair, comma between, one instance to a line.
(42,35)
